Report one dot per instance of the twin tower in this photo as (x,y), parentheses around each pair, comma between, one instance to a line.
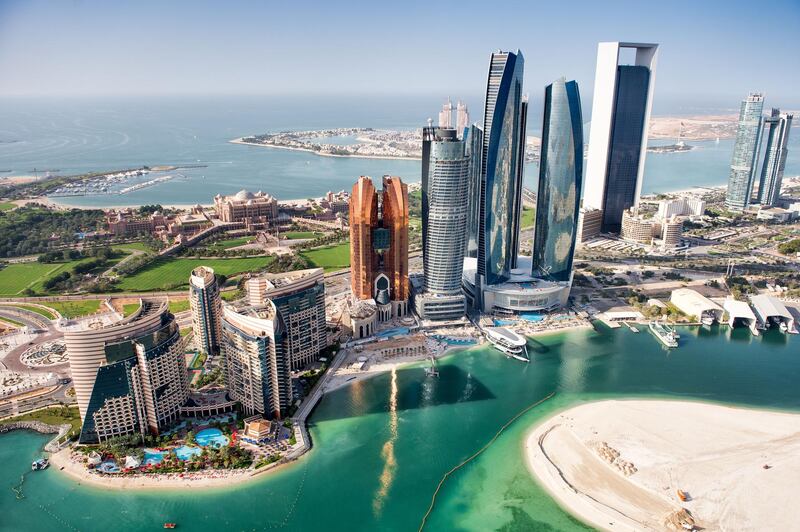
(472,191)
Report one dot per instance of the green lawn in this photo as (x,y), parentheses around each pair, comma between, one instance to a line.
(38,310)
(528,217)
(129,308)
(6,206)
(296,235)
(232,295)
(55,415)
(331,258)
(138,246)
(15,278)
(173,273)
(75,309)
(179,305)
(231,243)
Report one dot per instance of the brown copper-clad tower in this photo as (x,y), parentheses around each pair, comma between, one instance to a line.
(379,245)
(363,221)
(395,219)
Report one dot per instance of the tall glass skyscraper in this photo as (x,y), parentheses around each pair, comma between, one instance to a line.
(474,149)
(206,305)
(445,173)
(743,164)
(623,96)
(560,180)
(501,168)
(769,189)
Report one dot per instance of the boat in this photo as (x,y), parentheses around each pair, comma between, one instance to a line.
(707,320)
(683,496)
(40,464)
(508,342)
(170,525)
(664,333)
(783,327)
(631,327)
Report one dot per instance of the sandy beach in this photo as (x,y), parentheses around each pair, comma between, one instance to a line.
(617,465)
(217,478)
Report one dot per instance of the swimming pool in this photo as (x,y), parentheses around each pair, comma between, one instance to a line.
(397,331)
(211,437)
(532,317)
(500,323)
(184,452)
(153,457)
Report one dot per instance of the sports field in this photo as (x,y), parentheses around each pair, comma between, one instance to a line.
(15,278)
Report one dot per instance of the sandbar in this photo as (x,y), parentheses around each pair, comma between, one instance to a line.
(618,465)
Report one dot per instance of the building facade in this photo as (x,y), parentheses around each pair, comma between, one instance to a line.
(379,245)
(445,176)
(589,223)
(637,228)
(560,180)
(681,207)
(257,365)
(502,161)
(745,151)
(474,149)
(299,297)
(255,211)
(206,305)
(129,377)
(769,189)
(621,106)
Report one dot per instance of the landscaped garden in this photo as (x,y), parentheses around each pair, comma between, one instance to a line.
(173,273)
(330,258)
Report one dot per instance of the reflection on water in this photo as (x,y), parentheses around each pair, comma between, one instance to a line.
(389,461)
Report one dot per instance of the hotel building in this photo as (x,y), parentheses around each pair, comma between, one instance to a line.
(129,377)
(256,211)
(769,189)
(560,180)
(206,306)
(623,96)
(379,245)
(745,153)
(257,366)
(299,297)
(445,174)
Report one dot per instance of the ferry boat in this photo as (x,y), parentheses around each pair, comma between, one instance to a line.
(40,464)
(664,333)
(508,342)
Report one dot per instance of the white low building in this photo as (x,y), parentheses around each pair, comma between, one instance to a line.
(740,313)
(695,304)
(771,312)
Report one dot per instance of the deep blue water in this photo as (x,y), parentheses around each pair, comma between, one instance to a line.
(71,136)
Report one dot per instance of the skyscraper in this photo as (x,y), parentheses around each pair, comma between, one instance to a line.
(445,173)
(501,169)
(769,189)
(446,115)
(299,297)
(474,149)
(462,119)
(130,377)
(560,179)
(206,308)
(623,96)
(743,164)
(257,365)
(379,245)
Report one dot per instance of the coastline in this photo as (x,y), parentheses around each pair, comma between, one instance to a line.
(241,142)
(617,464)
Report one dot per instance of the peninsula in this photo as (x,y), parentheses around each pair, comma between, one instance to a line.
(670,465)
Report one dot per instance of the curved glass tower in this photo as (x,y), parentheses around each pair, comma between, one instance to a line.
(769,189)
(560,181)
(501,168)
(743,163)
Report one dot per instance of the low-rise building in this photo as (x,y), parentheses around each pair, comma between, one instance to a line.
(693,303)
(589,223)
(637,228)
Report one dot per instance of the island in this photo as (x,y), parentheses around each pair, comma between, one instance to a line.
(670,465)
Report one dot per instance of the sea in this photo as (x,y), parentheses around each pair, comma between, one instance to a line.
(382,445)
(70,136)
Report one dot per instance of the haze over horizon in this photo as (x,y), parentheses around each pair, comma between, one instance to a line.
(89,48)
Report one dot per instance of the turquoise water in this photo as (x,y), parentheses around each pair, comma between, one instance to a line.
(151,456)
(381,445)
(212,437)
(74,136)
(185,452)
(391,333)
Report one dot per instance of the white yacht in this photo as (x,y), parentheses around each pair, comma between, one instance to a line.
(510,343)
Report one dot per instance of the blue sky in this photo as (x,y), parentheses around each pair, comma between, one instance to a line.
(709,50)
